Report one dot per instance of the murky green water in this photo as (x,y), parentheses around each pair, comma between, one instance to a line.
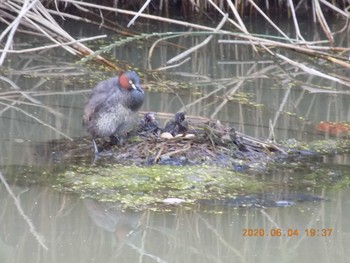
(249,93)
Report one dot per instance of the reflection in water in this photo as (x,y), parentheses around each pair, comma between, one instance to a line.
(264,200)
(112,218)
(78,230)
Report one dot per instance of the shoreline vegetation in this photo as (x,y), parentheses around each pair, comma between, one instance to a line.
(42,19)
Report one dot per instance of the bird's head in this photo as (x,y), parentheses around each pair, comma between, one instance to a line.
(129,80)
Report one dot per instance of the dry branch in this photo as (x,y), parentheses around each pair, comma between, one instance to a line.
(36,17)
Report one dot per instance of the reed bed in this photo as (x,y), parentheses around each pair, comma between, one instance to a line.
(40,18)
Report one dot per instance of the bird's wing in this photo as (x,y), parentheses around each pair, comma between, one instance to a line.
(98,98)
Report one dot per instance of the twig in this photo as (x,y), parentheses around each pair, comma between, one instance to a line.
(49,109)
(21,212)
(13,26)
(312,71)
(269,218)
(336,9)
(40,19)
(296,25)
(159,153)
(143,253)
(220,238)
(323,21)
(301,49)
(180,150)
(272,135)
(38,120)
(230,93)
(220,87)
(324,91)
(24,94)
(278,113)
(150,52)
(53,45)
(222,13)
(127,12)
(269,20)
(244,29)
(194,48)
(173,66)
(138,13)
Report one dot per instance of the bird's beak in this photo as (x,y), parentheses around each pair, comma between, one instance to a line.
(135,87)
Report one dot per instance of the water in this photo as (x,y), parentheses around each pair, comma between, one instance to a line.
(78,230)
(82,230)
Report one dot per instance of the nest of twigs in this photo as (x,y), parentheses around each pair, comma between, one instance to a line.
(183,141)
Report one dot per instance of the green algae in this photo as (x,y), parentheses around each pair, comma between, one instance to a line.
(139,187)
(344,183)
(329,146)
(301,169)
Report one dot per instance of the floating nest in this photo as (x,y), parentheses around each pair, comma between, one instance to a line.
(183,140)
(186,141)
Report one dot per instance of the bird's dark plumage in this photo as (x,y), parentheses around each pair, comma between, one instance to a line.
(112,104)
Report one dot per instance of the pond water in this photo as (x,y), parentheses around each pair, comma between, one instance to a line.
(48,225)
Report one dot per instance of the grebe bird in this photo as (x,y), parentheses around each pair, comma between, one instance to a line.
(112,105)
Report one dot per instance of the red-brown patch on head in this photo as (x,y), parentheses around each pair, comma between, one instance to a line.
(123,81)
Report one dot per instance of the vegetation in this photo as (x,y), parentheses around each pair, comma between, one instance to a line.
(36,19)
(139,187)
(325,57)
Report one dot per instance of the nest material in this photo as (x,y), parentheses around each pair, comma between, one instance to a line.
(181,141)
(187,141)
